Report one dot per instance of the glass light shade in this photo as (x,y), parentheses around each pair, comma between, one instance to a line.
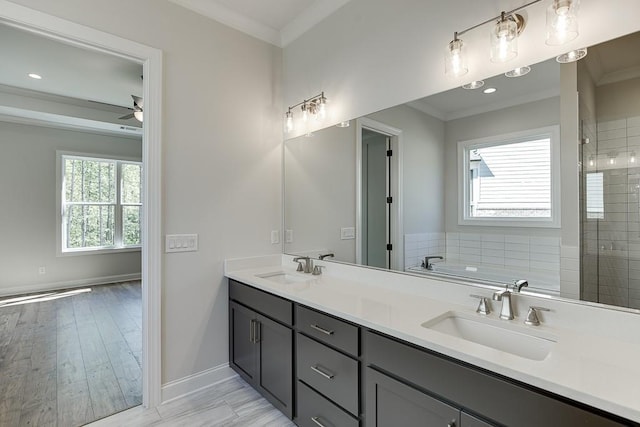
(518,72)
(455,61)
(562,22)
(138,115)
(572,56)
(322,109)
(305,113)
(504,41)
(288,124)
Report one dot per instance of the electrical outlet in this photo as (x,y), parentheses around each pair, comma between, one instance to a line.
(42,270)
(275,237)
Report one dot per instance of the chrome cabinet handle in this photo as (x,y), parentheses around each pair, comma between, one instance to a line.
(317,370)
(316,420)
(320,329)
(251,331)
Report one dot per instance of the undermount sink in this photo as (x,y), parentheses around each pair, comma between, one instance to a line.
(494,333)
(283,277)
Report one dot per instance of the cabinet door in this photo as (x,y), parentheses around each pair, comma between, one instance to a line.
(244,355)
(276,363)
(391,403)
(467,420)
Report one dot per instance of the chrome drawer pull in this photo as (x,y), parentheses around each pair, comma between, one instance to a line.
(317,421)
(317,370)
(319,329)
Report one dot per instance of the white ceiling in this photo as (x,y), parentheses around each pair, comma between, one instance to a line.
(278,22)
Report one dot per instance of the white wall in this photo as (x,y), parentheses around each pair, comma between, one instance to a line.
(222,132)
(28,214)
(372,54)
(513,119)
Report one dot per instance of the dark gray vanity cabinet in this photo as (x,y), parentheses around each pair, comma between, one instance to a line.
(435,382)
(261,343)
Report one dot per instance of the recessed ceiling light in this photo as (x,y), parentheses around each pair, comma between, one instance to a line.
(518,72)
(490,90)
(477,84)
(35,76)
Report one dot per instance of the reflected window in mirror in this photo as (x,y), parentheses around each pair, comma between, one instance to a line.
(509,180)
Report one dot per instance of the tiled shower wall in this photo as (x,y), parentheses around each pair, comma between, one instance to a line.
(611,245)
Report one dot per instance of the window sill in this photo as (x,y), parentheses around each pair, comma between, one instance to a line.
(99,251)
(507,222)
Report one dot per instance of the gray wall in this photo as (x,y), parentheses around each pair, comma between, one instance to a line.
(28,214)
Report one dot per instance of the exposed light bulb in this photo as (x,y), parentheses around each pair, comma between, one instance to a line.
(455,61)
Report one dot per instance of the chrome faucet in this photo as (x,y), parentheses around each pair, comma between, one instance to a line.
(308,263)
(426,264)
(323,256)
(506,312)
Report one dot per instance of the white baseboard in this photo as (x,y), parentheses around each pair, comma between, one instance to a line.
(192,383)
(95,281)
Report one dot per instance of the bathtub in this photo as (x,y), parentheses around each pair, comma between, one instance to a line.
(542,281)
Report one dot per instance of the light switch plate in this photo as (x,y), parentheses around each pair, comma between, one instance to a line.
(181,243)
(347,233)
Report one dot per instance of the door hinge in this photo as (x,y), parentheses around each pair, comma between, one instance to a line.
(389,247)
(389,199)
(389,153)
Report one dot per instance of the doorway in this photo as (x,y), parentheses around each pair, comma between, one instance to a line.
(151,61)
(379,237)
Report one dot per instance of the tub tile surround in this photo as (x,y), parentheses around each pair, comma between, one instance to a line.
(594,360)
(514,254)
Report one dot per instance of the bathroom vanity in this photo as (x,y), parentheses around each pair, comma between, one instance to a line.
(361,347)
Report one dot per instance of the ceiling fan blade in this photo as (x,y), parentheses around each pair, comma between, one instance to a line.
(127,117)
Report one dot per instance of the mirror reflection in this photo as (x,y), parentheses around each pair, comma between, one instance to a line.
(483,185)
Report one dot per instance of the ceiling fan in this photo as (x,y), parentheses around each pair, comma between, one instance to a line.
(138,105)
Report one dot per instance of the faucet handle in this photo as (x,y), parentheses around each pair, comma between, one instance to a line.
(317,270)
(300,267)
(483,305)
(532,315)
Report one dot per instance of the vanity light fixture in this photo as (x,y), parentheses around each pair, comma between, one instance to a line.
(504,37)
(315,107)
(477,84)
(489,90)
(455,62)
(35,76)
(562,22)
(572,56)
(518,72)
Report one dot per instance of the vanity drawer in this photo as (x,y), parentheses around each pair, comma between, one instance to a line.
(270,305)
(329,372)
(328,329)
(314,410)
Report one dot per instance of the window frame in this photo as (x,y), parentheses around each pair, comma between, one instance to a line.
(463,158)
(118,229)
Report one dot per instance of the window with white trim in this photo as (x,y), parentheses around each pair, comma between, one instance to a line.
(510,180)
(101,203)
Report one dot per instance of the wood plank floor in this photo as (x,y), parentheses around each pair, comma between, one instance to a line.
(226,404)
(67,359)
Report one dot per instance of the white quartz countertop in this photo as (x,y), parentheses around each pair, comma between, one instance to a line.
(587,363)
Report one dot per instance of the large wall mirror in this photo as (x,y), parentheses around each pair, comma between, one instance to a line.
(529,181)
